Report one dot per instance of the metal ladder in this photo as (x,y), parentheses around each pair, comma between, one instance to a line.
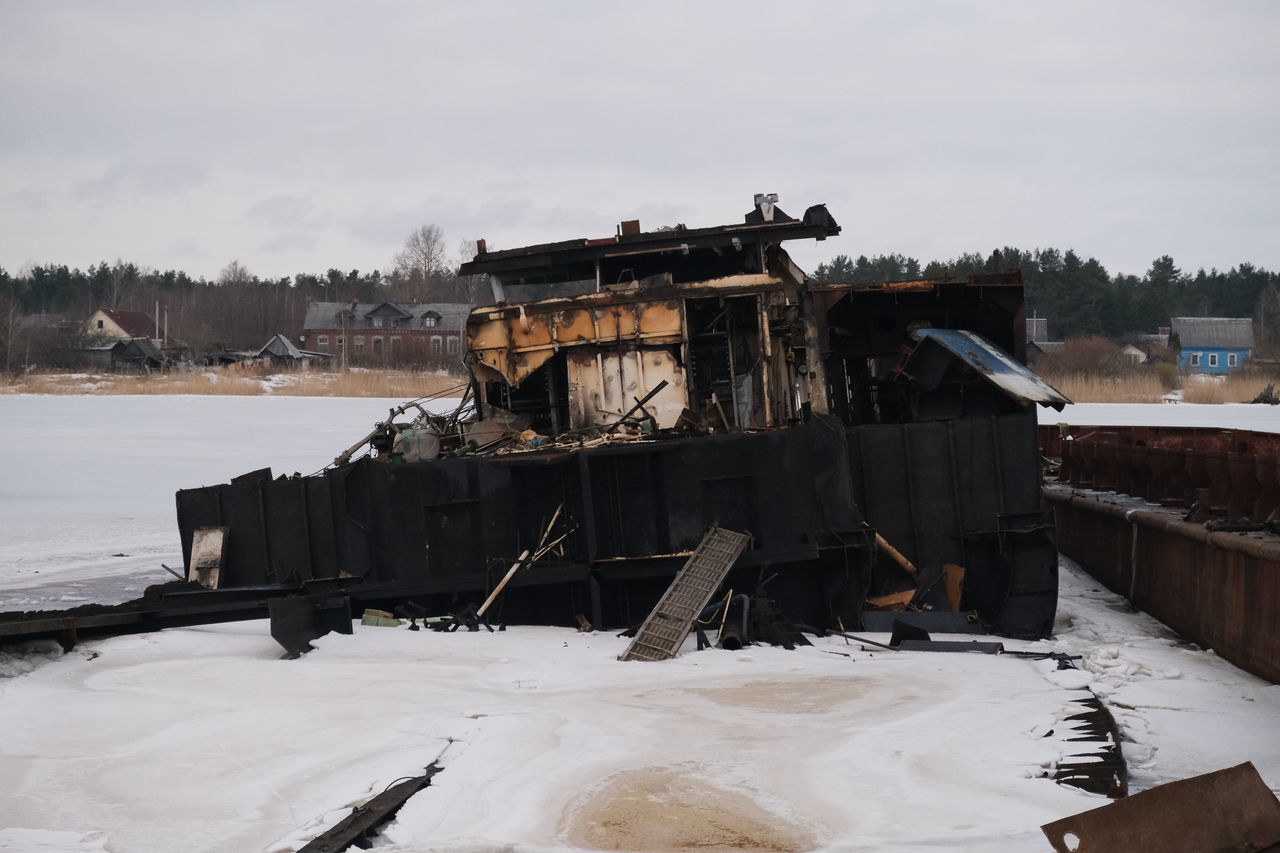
(666,626)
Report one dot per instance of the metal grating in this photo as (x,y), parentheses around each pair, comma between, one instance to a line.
(671,618)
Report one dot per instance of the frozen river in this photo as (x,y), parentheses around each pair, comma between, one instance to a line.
(203,739)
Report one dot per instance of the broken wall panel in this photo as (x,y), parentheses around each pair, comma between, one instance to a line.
(605,384)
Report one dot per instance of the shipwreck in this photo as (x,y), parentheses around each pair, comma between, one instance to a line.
(871,439)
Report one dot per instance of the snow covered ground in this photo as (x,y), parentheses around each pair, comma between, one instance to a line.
(203,739)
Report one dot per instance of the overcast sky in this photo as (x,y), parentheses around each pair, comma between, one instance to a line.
(296,137)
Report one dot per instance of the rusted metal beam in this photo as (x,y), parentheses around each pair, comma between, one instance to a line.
(361,825)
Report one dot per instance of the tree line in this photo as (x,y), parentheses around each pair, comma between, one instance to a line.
(1079,297)
(239,310)
(42,307)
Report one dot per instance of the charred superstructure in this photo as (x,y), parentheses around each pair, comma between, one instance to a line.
(646,386)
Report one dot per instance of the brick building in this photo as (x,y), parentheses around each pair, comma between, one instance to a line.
(387,333)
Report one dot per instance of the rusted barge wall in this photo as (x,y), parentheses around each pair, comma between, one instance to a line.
(1220,590)
(963,491)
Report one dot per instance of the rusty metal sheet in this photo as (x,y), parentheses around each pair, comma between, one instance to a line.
(515,367)
(516,343)
(994,364)
(1227,810)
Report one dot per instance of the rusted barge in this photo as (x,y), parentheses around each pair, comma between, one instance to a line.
(653,384)
(646,386)
(1181,521)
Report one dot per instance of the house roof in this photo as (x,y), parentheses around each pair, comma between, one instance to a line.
(452,316)
(136,324)
(138,349)
(281,347)
(389,309)
(1224,332)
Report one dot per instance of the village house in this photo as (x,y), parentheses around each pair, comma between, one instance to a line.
(108,324)
(130,341)
(387,333)
(1213,344)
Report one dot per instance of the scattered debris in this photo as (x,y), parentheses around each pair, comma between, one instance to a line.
(379,619)
(527,557)
(1226,811)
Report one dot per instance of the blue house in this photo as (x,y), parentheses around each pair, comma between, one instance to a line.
(1213,344)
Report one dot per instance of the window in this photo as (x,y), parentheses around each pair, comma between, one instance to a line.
(435,346)
(453,346)
(342,344)
(357,345)
(1195,359)
(377,346)
(392,345)
(99,324)
(322,340)
(1213,359)
(430,320)
(1232,359)
(377,322)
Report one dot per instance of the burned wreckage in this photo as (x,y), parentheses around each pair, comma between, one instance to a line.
(636,390)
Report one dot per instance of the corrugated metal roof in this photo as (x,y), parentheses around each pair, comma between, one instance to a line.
(283,348)
(452,316)
(996,365)
(1224,332)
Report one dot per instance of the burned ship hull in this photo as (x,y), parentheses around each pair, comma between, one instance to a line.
(444,531)
(824,419)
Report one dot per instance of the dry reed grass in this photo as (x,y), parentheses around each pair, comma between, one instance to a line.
(1097,388)
(235,381)
(1141,386)
(1233,388)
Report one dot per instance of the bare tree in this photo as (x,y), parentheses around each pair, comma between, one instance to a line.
(235,273)
(423,255)
(472,289)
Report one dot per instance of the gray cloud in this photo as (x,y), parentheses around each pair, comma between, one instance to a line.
(302,139)
(152,176)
